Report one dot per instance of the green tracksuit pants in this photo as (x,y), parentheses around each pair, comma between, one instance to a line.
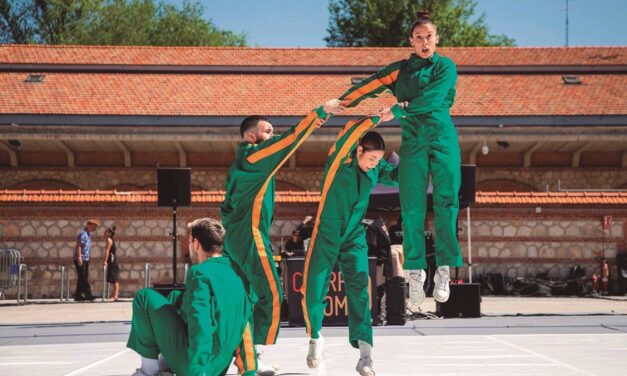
(157,328)
(351,250)
(199,331)
(254,263)
(430,149)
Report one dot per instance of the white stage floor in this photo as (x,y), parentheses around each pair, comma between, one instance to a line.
(552,346)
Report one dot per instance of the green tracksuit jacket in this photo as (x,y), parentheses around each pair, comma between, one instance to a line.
(429,146)
(338,234)
(200,330)
(247,216)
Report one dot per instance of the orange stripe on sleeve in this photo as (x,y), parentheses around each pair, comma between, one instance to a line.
(287,141)
(370,87)
(348,126)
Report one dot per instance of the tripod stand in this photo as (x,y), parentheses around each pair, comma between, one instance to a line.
(174,190)
(174,246)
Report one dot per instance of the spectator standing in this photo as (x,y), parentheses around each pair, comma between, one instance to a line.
(111,262)
(81,261)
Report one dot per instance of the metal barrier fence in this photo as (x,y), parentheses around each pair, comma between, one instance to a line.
(12,271)
(9,264)
(105,285)
(65,284)
(22,271)
(62,281)
(147,275)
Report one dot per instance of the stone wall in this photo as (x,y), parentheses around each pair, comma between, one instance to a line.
(516,243)
(504,179)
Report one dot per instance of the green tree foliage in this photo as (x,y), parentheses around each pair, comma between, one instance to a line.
(110,22)
(386,23)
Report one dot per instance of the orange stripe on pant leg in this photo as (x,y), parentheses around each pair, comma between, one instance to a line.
(249,349)
(367,124)
(239,363)
(261,248)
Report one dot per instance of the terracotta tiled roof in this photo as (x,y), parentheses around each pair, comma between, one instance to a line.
(190,56)
(553,198)
(295,95)
(214,197)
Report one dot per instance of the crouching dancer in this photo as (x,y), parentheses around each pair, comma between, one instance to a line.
(198,331)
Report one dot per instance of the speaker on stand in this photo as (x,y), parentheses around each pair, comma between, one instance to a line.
(467,193)
(173,190)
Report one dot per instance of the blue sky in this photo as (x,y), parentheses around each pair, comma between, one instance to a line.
(303,23)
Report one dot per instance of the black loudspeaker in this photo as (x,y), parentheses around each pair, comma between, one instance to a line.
(395,303)
(468,187)
(464,302)
(174,187)
(621,266)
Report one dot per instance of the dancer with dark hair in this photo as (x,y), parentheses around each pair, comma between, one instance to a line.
(426,80)
(355,165)
(247,213)
(111,262)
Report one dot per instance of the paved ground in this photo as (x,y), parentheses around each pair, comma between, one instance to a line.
(50,311)
(520,336)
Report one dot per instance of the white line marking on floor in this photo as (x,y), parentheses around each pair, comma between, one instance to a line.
(81,370)
(503,342)
(466,357)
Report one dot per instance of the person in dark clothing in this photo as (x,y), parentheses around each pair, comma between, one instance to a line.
(306,227)
(396,232)
(294,246)
(111,262)
(81,262)
(379,244)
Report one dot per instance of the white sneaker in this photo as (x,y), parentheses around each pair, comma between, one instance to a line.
(441,290)
(416,280)
(265,369)
(314,355)
(364,366)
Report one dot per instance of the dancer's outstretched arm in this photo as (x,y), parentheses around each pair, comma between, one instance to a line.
(372,86)
(276,150)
